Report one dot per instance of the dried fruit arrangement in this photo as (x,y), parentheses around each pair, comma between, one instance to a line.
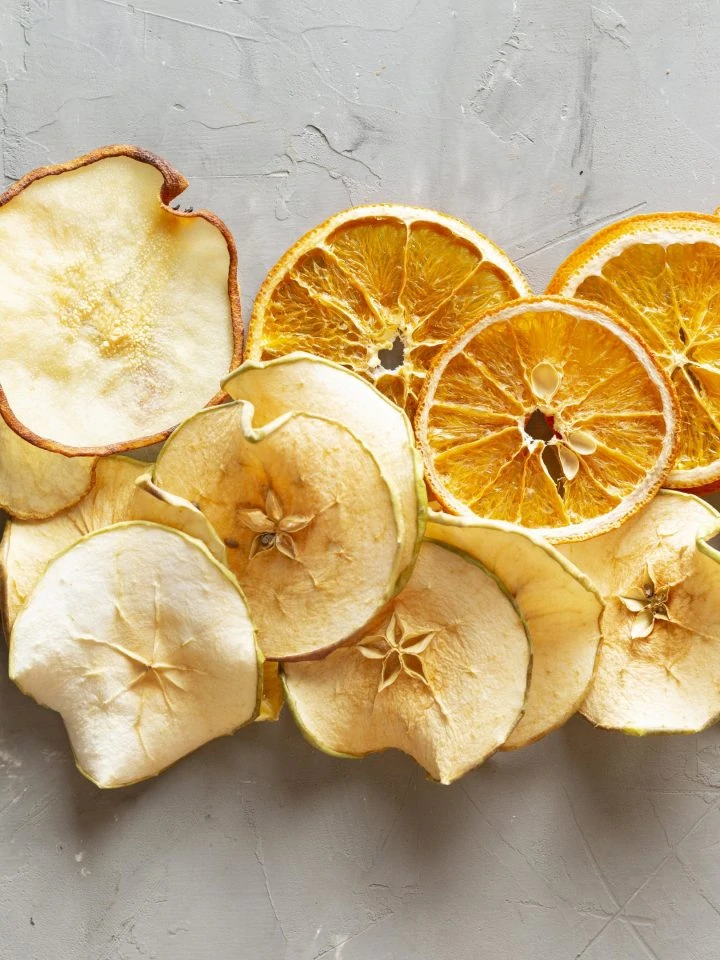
(281,546)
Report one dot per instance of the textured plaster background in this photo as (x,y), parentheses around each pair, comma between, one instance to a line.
(537,121)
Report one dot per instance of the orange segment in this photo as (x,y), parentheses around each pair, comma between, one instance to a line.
(700,432)
(588,497)
(380,289)
(547,412)
(484,458)
(542,504)
(307,320)
(437,262)
(661,274)
(486,286)
(374,254)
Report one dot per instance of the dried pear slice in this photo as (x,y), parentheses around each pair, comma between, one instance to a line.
(313,529)
(561,608)
(146,659)
(28,547)
(441,675)
(659,665)
(108,298)
(300,381)
(36,483)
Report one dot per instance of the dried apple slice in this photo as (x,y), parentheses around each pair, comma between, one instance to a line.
(109,301)
(313,528)
(36,483)
(146,659)
(28,547)
(300,381)
(159,506)
(561,608)
(441,675)
(659,665)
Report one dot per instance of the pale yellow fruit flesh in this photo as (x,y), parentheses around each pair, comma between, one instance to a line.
(159,506)
(659,665)
(28,547)
(317,386)
(143,643)
(448,687)
(36,483)
(559,605)
(312,528)
(107,300)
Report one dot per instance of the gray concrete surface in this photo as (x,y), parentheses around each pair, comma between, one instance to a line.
(537,121)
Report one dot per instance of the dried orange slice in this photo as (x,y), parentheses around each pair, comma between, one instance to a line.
(380,289)
(661,274)
(548,413)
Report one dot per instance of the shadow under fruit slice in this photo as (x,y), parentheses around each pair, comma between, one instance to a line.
(36,483)
(441,675)
(312,527)
(659,664)
(108,299)
(559,604)
(317,386)
(143,643)
(121,492)
(379,289)
(660,272)
(548,413)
